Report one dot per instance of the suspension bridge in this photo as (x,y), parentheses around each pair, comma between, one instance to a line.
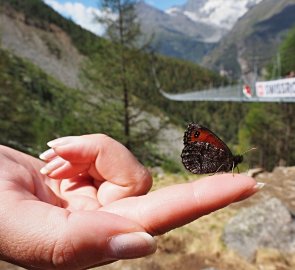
(282,90)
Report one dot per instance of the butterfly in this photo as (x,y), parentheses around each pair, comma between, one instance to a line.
(204,152)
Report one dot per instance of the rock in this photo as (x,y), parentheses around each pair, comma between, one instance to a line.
(268,224)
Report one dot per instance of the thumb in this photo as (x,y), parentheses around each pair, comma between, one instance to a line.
(103,237)
(58,239)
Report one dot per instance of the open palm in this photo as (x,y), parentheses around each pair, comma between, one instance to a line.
(91,206)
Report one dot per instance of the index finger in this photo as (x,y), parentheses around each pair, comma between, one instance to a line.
(174,206)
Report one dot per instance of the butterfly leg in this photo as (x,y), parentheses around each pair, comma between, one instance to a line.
(217,170)
(233,169)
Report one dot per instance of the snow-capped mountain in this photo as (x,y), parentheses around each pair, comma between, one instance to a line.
(221,14)
(153,21)
(192,30)
(254,39)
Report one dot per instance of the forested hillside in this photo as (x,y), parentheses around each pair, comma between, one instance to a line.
(36,107)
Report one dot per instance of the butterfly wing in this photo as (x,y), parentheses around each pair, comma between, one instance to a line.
(204,152)
(198,133)
(203,158)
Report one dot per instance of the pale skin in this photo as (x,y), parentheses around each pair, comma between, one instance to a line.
(90,205)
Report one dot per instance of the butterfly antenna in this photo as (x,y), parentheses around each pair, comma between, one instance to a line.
(249,150)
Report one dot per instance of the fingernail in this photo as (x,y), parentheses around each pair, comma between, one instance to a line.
(251,191)
(258,186)
(56,142)
(131,245)
(48,154)
(52,165)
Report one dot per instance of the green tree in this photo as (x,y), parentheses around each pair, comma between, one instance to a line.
(284,61)
(287,52)
(119,71)
(269,128)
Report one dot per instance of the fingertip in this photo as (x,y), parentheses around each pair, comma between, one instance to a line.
(77,150)
(248,193)
(48,155)
(241,181)
(52,166)
(54,143)
(44,171)
(131,245)
(218,191)
(59,141)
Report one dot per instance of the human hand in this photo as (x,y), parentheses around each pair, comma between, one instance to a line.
(98,211)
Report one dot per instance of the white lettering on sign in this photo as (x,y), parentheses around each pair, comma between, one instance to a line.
(278,88)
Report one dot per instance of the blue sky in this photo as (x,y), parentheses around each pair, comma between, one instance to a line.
(161,4)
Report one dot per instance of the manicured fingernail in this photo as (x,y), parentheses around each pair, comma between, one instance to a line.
(51,166)
(56,142)
(251,191)
(131,245)
(44,171)
(48,154)
(258,186)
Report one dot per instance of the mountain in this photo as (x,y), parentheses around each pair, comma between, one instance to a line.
(176,36)
(253,41)
(178,22)
(55,80)
(210,12)
(41,52)
(192,30)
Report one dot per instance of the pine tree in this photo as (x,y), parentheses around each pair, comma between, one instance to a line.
(120,72)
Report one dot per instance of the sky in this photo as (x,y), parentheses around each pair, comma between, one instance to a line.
(82,11)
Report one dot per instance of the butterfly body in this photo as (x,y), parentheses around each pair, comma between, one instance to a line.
(204,152)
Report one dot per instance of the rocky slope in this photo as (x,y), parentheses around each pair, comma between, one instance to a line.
(50,49)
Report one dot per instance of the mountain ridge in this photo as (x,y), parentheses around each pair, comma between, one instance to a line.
(222,16)
(253,41)
(184,31)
